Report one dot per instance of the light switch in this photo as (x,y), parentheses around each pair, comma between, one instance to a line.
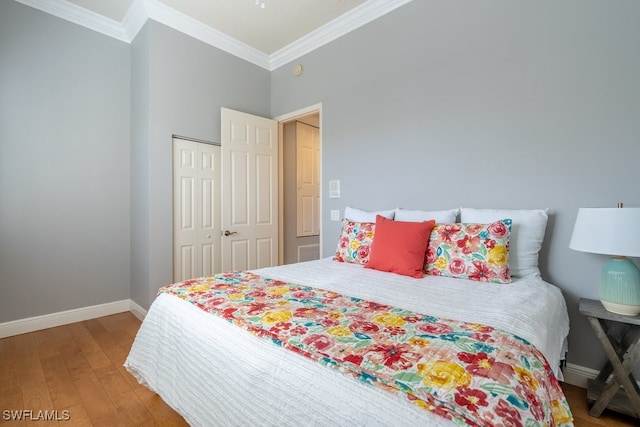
(334,189)
(335,215)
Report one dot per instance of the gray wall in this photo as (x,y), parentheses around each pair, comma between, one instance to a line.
(64,165)
(179,85)
(489,103)
(85,155)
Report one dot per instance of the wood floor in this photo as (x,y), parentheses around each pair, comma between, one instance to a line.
(78,368)
(75,373)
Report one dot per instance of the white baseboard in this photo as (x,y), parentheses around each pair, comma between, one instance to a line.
(137,310)
(578,375)
(31,324)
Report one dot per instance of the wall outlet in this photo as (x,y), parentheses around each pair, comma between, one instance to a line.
(335,215)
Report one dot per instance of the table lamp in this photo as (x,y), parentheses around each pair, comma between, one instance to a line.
(615,232)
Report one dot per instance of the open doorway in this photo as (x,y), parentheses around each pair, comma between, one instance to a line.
(300,171)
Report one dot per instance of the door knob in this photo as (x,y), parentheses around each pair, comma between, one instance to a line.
(228,233)
(208,236)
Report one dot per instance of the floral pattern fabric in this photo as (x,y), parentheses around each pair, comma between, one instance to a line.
(469,373)
(470,251)
(355,241)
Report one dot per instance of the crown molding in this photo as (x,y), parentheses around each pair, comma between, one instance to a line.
(134,19)
(353,19)
(81,16)
(142,10)
(162,13)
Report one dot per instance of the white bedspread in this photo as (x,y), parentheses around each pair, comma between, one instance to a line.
(215,374)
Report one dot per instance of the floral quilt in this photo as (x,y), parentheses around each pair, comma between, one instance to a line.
(469,373)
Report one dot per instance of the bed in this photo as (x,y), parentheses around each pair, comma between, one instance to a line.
(218,369)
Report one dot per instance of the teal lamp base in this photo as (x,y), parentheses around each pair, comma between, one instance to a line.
(620,286)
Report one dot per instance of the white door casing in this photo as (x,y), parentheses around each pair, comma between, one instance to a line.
(308,179)
(295,115)
(196,209)
(249,191)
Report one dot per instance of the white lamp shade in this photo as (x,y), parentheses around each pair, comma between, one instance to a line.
(609,231)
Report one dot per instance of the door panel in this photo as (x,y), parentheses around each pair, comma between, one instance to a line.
(239,132)
(187,261)
(196,211)
(308,180)
(238,184)
(208,256)
(187,201)
(264,252)
(264,137)
(239,258)
(308,252)
(306,222)
(209,204)
(250,190)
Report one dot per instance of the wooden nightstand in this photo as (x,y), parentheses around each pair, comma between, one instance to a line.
(620,392)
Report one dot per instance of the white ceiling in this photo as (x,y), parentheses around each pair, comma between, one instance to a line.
(269,37)
(268,29)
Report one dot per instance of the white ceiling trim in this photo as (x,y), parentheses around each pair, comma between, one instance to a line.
(142,10)
(134,20)
(81,16)
(353,19)
(162,13)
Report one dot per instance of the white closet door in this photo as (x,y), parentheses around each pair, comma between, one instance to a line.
(196,209)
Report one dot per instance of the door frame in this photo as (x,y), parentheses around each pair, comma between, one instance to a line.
(312,109)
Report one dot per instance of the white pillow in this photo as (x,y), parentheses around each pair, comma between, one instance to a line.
(443,217)
(358,215)
(527,233)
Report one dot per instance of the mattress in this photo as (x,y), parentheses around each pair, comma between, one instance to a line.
(214,373)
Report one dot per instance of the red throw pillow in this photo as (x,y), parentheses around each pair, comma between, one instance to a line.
(399,246)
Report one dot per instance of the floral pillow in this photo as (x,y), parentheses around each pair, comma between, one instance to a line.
(470,251)
(355,242)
